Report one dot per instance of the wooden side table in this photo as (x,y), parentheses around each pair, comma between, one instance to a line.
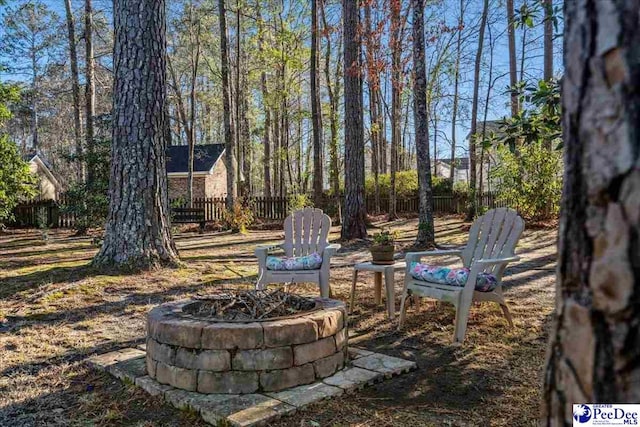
(379,270)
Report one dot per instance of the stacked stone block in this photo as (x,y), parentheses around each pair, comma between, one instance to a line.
(237,358)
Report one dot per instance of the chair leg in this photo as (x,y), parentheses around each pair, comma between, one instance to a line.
(462,317)
(353,291)
(507,314)
(403,309)
(260,283)
(325,289)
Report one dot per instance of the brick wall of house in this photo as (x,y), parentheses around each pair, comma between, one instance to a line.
(178,187)
(213,185)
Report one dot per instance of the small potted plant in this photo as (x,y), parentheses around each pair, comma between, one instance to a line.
(383,247)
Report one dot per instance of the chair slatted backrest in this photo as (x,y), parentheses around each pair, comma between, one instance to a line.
(305,232)
(494,235)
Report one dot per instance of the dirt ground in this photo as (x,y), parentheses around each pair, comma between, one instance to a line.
(55,311)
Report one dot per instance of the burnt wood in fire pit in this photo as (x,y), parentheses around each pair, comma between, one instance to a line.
(250,305)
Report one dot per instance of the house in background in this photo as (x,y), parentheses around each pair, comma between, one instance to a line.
(442,168)
(461,170)
(209,171)
(48,185)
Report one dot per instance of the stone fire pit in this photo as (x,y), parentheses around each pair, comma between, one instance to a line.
(193,352)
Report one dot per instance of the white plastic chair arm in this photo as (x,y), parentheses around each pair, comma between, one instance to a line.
(493,261)
(416,256)
(265,249)
(261,253)
(329,251)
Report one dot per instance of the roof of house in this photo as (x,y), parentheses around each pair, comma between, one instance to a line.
(37,157)
(461,162)
(204,158)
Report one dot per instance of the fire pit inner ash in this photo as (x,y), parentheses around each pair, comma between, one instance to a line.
(250,305)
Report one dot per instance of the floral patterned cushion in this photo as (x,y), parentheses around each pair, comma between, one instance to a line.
(485,282)
(309,262)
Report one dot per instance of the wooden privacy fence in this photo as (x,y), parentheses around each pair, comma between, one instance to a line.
(262,207)
(51,213)
(43,213)
(442,203)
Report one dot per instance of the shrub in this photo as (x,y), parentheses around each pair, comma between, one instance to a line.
(530,179)
(406,184)
(16,182)
(239,217)
(299,201)
(89,201)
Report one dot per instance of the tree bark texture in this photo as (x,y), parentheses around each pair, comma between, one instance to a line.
(425,236)
(75,88)
(354,213)
(138,233)
(229,137)
(594,345)
(316,109)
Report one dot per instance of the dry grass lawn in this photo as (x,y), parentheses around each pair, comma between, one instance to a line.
(55,311)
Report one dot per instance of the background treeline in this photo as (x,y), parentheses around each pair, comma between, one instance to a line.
(484,61)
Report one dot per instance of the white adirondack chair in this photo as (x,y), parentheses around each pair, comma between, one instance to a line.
(491,246)
(305,232)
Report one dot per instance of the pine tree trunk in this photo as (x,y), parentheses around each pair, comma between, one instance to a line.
(396,102)
(471,213)
(75,89)
(354,213)
(247,152)
(425,236)
(194,47)
(513,69)
(374,87)
(34,103)
(90,91)
(593,353)
(333,90)
(138,233)
(456,84)
(266,138)
(548,47)
(316,109)
(229,137)
(548,39)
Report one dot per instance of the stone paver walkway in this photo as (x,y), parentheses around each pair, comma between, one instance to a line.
(255,409)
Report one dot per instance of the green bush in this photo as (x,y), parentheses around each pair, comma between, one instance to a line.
(89,202)
(299,201)
(239,217)
(406,184)
(530,179)
(16,182)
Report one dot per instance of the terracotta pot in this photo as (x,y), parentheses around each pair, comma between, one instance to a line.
(382,254)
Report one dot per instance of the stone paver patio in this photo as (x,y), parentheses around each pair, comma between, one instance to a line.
(254,409)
